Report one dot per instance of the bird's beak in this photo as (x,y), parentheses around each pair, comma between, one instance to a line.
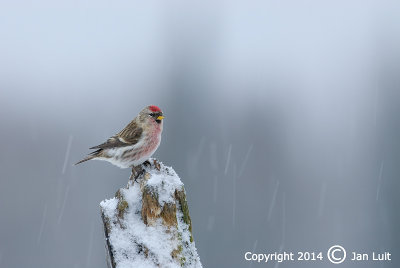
(160,117)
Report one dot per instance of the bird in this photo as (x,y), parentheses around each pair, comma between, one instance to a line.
(134,144)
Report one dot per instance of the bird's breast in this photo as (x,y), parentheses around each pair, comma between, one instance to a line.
(153,141)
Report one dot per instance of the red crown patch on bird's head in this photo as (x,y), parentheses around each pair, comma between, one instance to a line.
(154,108)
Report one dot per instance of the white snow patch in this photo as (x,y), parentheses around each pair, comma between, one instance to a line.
(165,187)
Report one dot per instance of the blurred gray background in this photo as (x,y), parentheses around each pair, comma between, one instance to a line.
(282,120)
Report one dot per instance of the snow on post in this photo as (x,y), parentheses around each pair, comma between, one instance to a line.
(147,224)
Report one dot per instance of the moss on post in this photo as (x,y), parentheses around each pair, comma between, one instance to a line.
(181,197)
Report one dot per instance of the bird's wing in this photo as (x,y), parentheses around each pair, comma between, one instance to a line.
(130,135)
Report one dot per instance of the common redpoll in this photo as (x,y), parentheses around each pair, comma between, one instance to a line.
(133,145)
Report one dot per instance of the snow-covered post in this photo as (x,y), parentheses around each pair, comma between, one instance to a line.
(147,224)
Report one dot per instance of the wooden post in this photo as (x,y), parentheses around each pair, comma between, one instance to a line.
(147,223)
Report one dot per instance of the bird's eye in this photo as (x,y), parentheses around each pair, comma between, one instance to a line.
(152,114)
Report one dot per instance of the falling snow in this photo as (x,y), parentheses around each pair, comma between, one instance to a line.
(63,205)
(215,191)
(379,181)
(283,219)
(42,225)
(272,203)
(234,197)
(67,154)
(322,199)
(210,224)
(246,158)
(228,159)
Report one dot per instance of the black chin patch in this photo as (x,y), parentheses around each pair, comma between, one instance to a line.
(158,121)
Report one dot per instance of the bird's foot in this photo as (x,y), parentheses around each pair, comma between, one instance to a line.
(157,164)
(137,171)
(140,173)
(146,163)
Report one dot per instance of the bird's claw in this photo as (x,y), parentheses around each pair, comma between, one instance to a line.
(136,173)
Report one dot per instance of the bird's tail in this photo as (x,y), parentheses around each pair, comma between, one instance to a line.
(90,157)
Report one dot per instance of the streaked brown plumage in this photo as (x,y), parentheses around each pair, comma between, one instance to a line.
(135,143)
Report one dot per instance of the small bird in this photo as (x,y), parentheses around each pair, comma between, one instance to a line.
(133,145)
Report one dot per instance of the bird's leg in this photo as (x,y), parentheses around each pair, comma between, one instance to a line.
(140,173)
(146,163)
(132,173)
(137,171)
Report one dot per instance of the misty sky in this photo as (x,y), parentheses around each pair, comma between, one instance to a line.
(281,120)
